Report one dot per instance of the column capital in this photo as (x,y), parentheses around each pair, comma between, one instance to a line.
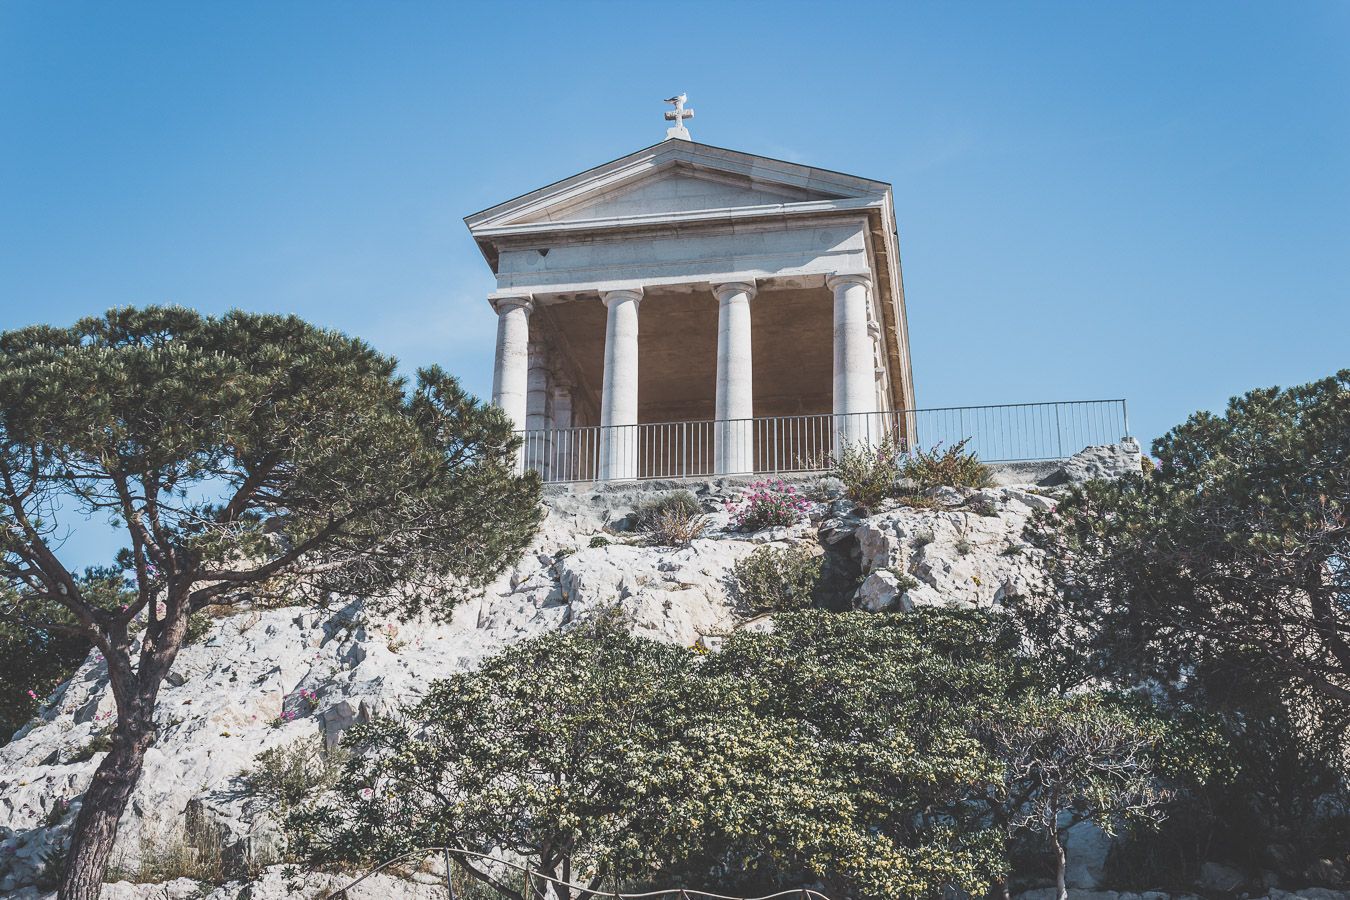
(861,278)
(726,288)
(502,302)
(620,295)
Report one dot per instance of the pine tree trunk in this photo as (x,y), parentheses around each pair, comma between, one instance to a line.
(102,806)
(1062,893)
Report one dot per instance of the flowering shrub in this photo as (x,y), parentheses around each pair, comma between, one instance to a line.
(307,701)
(769,504)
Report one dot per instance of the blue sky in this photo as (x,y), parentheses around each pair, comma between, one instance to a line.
(1148,200)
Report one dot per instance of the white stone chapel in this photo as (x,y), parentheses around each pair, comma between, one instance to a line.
(692,310)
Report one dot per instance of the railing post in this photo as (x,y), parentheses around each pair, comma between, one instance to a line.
(684,448)
(449,882)
(1059,434)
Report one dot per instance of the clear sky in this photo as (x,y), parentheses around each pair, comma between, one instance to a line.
(1147,200)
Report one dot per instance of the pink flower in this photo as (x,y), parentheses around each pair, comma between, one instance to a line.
(31,694)
(367,794)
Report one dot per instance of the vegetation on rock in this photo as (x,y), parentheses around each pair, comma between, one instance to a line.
(953,467)
(869,472)
(872,472)
(850,749)
(284,777)
(768,504)
(671,520)
(773,579)
(33,662)
(650,510)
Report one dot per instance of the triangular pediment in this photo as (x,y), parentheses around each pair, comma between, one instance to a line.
(676,179)
(676,189)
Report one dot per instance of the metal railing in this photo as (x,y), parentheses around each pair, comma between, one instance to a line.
(787,444)
(540,886)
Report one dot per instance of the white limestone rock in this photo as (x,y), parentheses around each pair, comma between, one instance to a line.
(272,884)
(1107,461)
(881,591)
(1310,893)
(960,557)
(1086,847)
(1220,878)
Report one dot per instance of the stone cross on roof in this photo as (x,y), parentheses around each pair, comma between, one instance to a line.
(678,115)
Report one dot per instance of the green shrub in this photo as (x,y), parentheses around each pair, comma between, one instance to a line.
(671,520)
(35,660)
(198,627)
(286,776)
(869,471)
(953,467)
(599,541)
(883,754)
(771,580)
(189,851)
(99,742)
(648,511)
(903,580)
(677,528)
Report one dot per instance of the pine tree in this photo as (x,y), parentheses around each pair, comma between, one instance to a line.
(243,456)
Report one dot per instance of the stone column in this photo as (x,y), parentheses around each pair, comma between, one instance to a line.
(854,370)
(538,444)
(733,433)
(619,395)
(564,441)
(510,372)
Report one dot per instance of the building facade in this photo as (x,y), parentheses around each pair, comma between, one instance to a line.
(691,310)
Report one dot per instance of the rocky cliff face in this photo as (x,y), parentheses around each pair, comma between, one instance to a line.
(263,678)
